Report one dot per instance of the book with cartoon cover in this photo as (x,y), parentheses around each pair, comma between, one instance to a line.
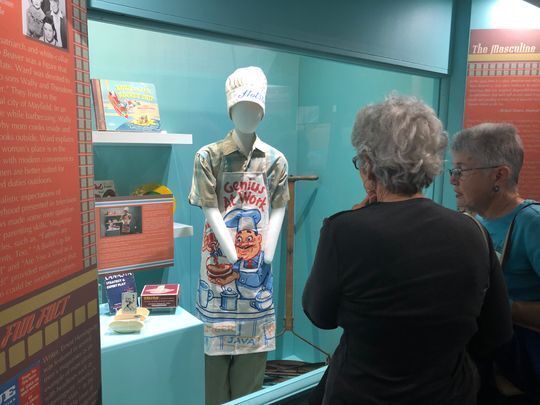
(125,106)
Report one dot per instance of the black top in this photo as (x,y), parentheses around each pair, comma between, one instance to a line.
(407,283)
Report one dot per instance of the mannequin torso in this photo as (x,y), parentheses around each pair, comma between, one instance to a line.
(246,117)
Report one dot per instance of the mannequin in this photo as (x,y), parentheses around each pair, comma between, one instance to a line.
(241,185)
(245,121)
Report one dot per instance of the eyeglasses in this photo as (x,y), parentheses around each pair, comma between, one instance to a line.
(457,172)
(355,162)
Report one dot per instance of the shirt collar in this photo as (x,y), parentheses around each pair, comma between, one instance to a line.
(230,146)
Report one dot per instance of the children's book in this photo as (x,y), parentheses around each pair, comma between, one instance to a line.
(115,285)
(125,106)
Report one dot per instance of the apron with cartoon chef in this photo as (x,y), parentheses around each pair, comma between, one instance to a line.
(235,300)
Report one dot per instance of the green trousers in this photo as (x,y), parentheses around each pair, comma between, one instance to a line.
(231,376)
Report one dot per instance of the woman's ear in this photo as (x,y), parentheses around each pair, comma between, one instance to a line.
(503,173)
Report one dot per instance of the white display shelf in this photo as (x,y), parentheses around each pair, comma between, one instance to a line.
(182,230)
(148,138)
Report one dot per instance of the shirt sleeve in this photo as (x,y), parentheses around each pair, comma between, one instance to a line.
(322,293)
(495,321)
(203,186)
(280,194)
(532,238)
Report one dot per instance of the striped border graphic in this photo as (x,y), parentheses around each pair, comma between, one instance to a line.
(503,69)
(84,126)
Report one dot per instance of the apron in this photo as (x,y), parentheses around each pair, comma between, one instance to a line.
(235,301)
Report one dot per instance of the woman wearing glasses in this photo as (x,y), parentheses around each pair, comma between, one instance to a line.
(487,160)
(402,275)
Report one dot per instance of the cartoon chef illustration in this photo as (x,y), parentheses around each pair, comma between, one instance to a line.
(254,273)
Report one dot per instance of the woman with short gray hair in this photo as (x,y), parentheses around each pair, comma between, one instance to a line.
(402,275)
(492,156)
(487,161)
(400,142)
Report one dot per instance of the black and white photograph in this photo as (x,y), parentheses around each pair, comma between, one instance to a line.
(121,221)
(45,21)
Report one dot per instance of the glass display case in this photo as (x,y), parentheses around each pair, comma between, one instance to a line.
(311,103)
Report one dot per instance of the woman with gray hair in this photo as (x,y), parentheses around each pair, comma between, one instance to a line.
(487,160)
(402,275)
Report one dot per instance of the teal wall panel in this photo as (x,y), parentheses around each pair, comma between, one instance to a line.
(453,94)
(413,33)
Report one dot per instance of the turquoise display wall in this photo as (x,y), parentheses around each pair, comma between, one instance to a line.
(189,75)
(452,97)
(330,95)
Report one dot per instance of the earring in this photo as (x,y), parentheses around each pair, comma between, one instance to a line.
(496,189)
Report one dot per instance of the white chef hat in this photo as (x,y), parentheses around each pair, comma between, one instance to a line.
(243,219)
(246,84)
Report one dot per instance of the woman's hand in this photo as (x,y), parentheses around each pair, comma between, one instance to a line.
(370,199)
